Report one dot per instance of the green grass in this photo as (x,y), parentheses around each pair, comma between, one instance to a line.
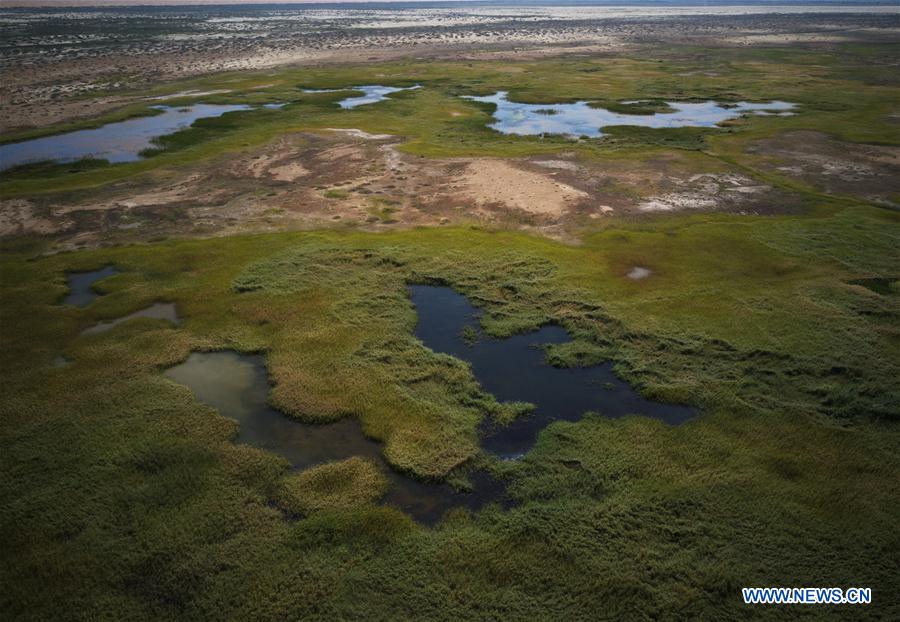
(832,99)
(124,498)
(336,485)
(335,194)
(125,495)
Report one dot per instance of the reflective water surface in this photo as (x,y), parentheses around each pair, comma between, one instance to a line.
(237,386)
(514,369)
(581,119)
(116,142)
(372,94)
(81,292)
(157,311)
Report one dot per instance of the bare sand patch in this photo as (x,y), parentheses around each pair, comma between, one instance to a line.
(257,166)
(288,172)
(178,192)
(356,133)
(564,165)
(706,191)
(867,171)
(497,181)
(18,217)
(341,152)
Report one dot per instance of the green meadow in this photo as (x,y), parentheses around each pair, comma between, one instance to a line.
(125,498)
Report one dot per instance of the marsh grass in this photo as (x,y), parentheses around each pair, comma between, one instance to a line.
(832,99)
(122,495)
(335,485)
(124,492)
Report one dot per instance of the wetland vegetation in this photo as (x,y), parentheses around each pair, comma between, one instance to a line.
(121,141)
(315,361)
(584,118)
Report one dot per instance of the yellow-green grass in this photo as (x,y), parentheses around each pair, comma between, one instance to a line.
(123,497)
(123,494)
(336,485)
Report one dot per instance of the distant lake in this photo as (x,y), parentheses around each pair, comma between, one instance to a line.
(122,141)
(372,94)
(582,119)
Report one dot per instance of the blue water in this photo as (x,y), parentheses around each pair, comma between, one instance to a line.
(580,119)
(511,369)
(115,142)
(81,285)
(514,369)
(372,94)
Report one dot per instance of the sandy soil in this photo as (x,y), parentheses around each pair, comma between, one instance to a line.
(18,216)
(706,191)
(353,178)
(52,61)
(500,182)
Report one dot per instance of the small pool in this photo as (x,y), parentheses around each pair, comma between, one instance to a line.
(237,386)
(372,94)
(515,369)
(582,119)
(81,285)
(511,369)
(122,141)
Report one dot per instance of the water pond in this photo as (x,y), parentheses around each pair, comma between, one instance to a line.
(122,141)
(157,311)
(81,292)
(237,386)
(512,369)
(582,119)
(372,94)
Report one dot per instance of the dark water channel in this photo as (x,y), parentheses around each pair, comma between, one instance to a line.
(512,369)
(156,311)
(81,292)
(237,386)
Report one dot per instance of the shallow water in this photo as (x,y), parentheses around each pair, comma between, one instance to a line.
(158,311)
(511,369)
(237,386)
(514,369)
(372,94)
(580,119)
(81,292)
(116,142)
